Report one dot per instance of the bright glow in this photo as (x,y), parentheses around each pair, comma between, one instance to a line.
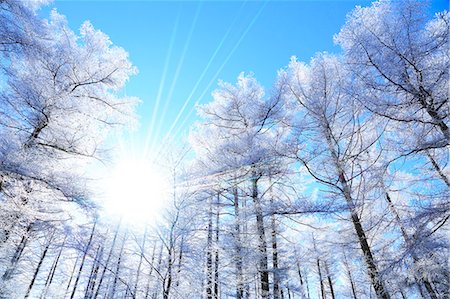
(136,190)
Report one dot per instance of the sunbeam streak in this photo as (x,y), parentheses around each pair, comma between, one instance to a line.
(204,72)
(177,72)
(214,78)
(162,83)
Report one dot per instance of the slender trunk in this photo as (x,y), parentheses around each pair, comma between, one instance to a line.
(94,272)
(374,275)
(36,272)
(408,242)
(141,257)
(51,274)
(216,251)
(85,252)
(180,261)
(307,286)
(377,283)
(158,267)
(117,271)
(300,277)
(238,254)
(71,276)
(431,110)
(438,169)
(330,281)
(349,273)
(262,244)
(147,288)
(209,263)
(168,281)
(319,271)
(17,254)
(245,240)
(276,278)
(108,259)
(169,277)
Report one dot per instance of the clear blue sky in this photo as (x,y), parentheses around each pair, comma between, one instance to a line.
(182,48)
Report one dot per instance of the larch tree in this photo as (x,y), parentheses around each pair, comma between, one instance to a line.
(333,140)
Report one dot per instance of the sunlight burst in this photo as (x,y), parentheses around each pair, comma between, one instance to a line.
(136,190)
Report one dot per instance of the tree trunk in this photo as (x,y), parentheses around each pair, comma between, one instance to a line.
(117,271)
(372,269)
(438,169)
(141,257)
(180,261)
(319,271)
(330,281)
(51,274)
(108,259)
(17,254)
(349,273)
(209,263)
(155,292)
(71,276)
(168,281)
(262,243)
(36,272)
(238,243)
(276,278)
(216,251)
(147,288)
(94,272)
(86,249)
(408,242)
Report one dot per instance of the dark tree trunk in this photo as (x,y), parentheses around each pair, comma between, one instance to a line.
(168,281)
(108,259)
(85,252)
(377,282)
(51,274)
(17,254)
(71,276)
(36,272)
(238,242)
(330,281)
(94,273)
(216,251)
(262,243)
(300,276)
(319,271)
(276,277)
(209,262)
(117,271)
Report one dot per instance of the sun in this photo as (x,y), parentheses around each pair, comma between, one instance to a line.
(136,189)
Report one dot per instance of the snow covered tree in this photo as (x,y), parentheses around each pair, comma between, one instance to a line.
(58,100)
(333,140)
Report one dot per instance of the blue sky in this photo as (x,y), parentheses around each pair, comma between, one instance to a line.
(182,48)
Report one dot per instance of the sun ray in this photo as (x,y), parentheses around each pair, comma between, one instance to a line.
(214,78)
(177,72)
(150,134)
(204,72)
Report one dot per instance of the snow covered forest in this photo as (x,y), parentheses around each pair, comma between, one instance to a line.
(331,183)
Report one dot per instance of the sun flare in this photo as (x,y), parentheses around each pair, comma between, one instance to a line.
(136,189)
